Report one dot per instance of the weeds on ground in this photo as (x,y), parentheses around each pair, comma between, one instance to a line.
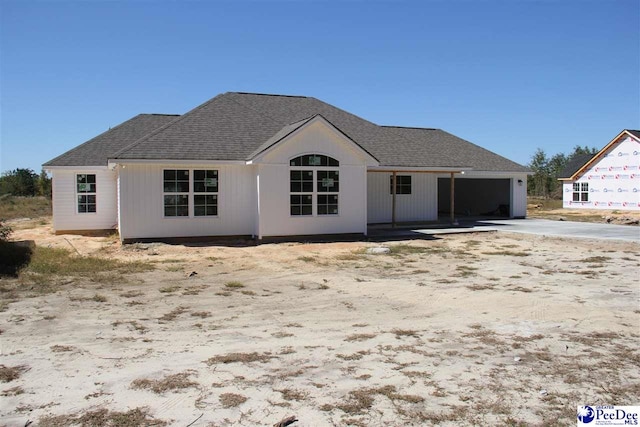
(104,418)
(239,358)
(13,207)
(360,337)
(173,314)
(10,373)
(233,285)
(231,400)
(169,383)
(56,261)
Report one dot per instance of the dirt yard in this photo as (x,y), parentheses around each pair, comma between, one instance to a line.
(484,328)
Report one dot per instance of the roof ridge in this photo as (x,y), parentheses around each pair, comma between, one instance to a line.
(92,139)
(270,94)
(161,128)
(407,127)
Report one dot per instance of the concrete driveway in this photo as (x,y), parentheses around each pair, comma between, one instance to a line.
(545,227)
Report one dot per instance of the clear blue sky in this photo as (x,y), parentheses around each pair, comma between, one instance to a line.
(510,76)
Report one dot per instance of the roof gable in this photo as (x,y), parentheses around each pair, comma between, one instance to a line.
(290,131)
(591,160)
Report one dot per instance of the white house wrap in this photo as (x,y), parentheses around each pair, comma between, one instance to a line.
(608,180)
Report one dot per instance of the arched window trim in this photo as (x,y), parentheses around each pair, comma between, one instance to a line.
(314,160)
(314,185)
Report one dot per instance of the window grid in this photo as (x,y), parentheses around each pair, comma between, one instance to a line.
(580,191)
(182,187)
(86,193)
(403,184)
(314,188)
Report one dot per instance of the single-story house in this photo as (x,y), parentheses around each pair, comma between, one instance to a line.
(610,179)
(246,164)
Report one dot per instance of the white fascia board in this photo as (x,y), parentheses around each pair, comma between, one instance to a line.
(415,169)
(115,162)
(498,173)
(75,168)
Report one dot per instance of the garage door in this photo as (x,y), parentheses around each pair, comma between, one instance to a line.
(475,197)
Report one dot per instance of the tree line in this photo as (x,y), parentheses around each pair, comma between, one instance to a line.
(25,182)
(544,182)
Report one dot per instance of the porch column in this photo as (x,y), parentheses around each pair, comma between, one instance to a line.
(452,195)
(393,199)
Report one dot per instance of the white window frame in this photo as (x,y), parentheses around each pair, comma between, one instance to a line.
(581,190)
(314,194)
(93,193)
(191,193)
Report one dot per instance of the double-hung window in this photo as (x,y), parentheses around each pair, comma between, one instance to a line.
(314,184)
(86,192)
(176,192)
(184,187)
(580,191)
(205,192)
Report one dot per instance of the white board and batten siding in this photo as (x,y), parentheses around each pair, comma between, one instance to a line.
(613,181)
(141,192)
(65,201)
(420,205)
(273,177)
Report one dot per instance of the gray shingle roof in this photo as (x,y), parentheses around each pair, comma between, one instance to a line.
(574,164)
(237,126)
(96,151)
(234,126)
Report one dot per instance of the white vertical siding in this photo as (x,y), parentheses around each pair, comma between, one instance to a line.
(142,203)
(65,209)
(519,196)
(274,195)
(420,205)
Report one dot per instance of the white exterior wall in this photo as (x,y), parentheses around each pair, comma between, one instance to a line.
(614,180)
(420,205)
(142,203)
(317,137)
(65,208)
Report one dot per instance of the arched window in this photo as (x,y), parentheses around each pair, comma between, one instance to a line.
(314,160)
(314,184)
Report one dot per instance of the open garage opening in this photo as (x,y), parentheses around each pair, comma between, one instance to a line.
(475,197)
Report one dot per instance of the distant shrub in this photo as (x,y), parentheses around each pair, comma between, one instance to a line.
(5,231)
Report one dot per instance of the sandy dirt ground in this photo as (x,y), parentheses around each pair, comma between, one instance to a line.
(479,328)
(591,215)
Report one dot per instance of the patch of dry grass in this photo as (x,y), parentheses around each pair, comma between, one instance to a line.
(231,400)
(173,314)
(169,383)
(239,358)
(233,285)
(360,337)
(104,418)
(10,373)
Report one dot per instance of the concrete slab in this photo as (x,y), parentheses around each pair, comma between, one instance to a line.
(541,227)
